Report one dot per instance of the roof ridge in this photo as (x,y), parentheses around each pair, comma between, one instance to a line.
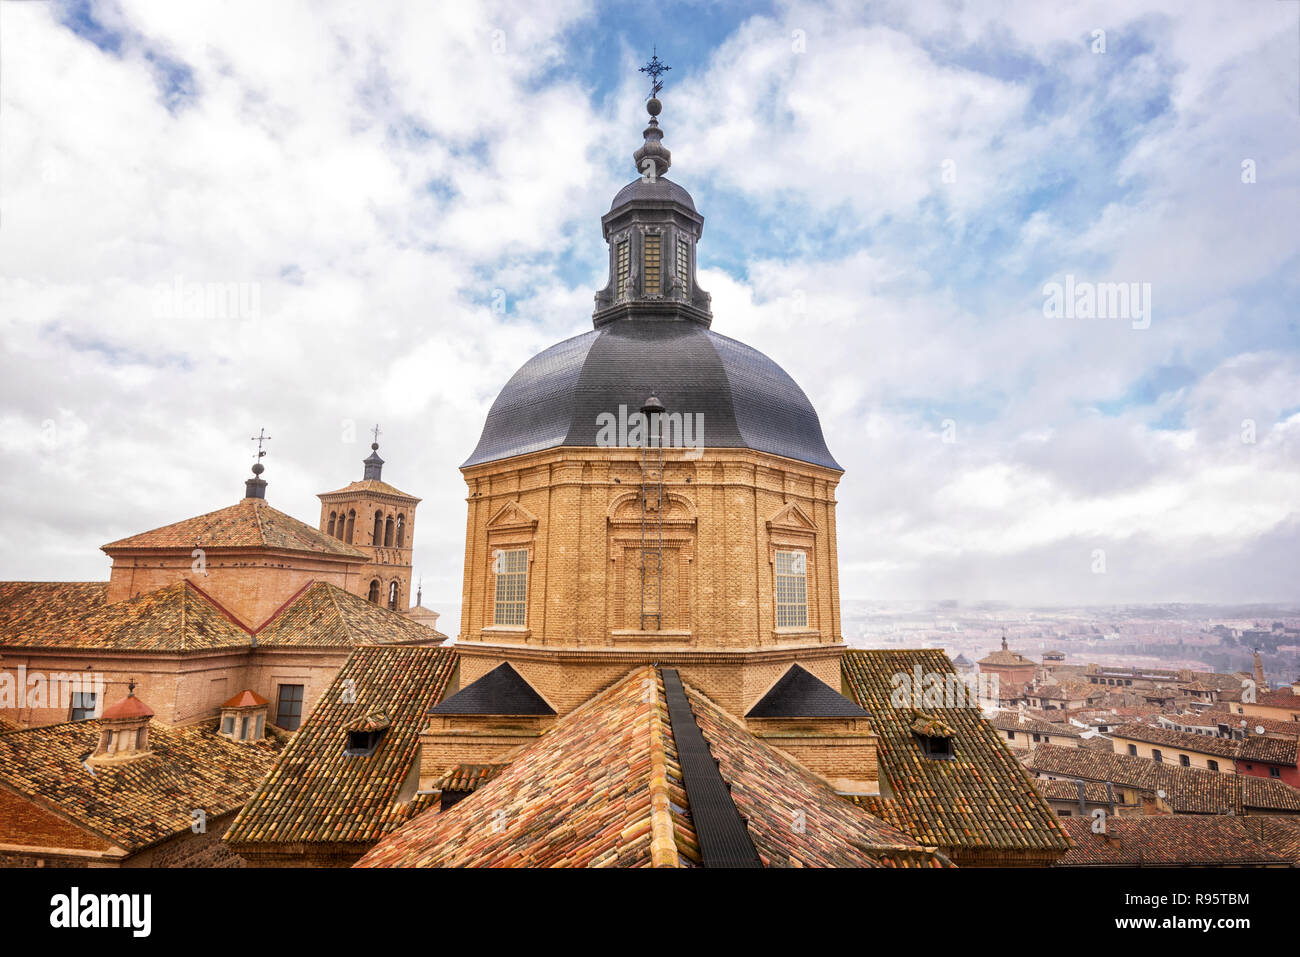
(663,842)
(261,529)
(724,837)
(338,610)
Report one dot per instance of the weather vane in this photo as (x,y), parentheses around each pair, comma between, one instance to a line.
(655,69)
(376,433)
(259,439)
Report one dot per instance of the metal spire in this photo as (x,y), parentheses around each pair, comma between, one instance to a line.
(655,69)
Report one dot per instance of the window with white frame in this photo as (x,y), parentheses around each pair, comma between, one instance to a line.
(511,568)
(791,590)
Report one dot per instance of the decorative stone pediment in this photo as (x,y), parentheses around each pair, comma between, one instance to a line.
(511,517)
(792,518)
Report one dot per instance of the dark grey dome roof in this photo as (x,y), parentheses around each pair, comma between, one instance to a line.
(661,190)
(747,400)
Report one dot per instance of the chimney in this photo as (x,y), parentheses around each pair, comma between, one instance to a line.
(1260,683)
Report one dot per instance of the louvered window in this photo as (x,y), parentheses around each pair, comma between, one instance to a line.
(621,264)
(653,253)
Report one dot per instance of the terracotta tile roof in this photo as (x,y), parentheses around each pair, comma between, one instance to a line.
(793,817)
(602,787)
(982,799)
(1237,722)
(1184,740)
(128,707)
(145,800)
(178,617)
(368,485)
(249,524)
(1279,698)
(245,699)
(1170,839)
(468,777)
(1004,656)
(1187,790)
(324,615)
(315,793)
(1094,792)
(1011,721)
(1268,749)
(181,617)
(38,608)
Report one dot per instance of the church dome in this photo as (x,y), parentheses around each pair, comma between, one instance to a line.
(661,190)
(652,336)
(747,401)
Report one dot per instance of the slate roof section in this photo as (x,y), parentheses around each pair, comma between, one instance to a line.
(317,794)
(501,691)
(1172,840)
(601,788)
(723,836)
(746,399)
(981,800)
(1187,790)
(142,801)
(250,523)
(801,694)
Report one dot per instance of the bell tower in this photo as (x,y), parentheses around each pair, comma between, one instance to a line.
(379,519)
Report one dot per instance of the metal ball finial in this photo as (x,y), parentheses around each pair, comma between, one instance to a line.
(653,106)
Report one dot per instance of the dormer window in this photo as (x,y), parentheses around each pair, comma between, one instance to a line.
(363,743)
(243,717)
(365,734)
(937,747)
(934,736)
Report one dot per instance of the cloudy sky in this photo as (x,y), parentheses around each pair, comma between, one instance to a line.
(406,200)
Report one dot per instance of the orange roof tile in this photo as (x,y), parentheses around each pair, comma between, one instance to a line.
(318,794)
(981,800)
(245,699)
(146,800)
(128,707)
(249,524)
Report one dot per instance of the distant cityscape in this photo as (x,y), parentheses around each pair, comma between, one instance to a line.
(1219,638)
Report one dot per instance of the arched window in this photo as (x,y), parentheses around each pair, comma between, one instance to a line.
(374,591)
(378,537)
(352,521)
(401,530)
(331,531)
(392,595)
(388,531)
